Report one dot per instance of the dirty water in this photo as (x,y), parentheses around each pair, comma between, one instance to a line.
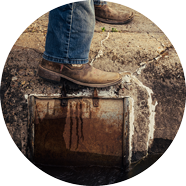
(98,175)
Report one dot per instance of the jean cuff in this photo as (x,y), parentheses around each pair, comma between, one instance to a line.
(100,2)
(64,60)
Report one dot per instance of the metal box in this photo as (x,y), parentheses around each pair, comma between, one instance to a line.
(79,131)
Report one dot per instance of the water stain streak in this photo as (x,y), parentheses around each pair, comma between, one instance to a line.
(77,125)
(71,124)
(81,119)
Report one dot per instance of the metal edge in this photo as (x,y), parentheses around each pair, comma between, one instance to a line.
(31,119)
(126,129)
(74,97)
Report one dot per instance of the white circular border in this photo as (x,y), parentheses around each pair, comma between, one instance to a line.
(16,16)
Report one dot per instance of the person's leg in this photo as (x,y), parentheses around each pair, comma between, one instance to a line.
(106,14)
(70,32)
(99,2)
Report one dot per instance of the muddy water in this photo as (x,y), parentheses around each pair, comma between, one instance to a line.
(98,175)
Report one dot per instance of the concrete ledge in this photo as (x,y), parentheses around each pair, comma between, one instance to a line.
(20,80)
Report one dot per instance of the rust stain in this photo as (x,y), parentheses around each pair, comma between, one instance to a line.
(71,124)
(81,119)
(126,114)
(78,128)
(95,92)
(77,125)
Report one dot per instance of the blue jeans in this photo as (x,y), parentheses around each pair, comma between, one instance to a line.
(99,2)
(70,32)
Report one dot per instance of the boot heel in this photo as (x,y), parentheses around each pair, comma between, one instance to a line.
(46,74)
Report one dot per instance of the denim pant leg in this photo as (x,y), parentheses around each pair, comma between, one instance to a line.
(70,32)
(99,2)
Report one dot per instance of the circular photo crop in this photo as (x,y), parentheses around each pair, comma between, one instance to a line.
(93,93)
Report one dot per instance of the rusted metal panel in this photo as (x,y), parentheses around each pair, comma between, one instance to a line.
(79,133)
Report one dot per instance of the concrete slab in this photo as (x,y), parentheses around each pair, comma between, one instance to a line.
(124,51)
(136,42)
(140,23)
(32,40)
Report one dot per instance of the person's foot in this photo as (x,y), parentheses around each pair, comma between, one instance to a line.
(85,74)
(106,14)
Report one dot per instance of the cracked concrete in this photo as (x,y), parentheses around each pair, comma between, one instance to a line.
(140,51)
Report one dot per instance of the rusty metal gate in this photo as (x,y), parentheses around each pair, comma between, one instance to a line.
(79,131)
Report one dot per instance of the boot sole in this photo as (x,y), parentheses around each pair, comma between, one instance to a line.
(54,76)
(109,21)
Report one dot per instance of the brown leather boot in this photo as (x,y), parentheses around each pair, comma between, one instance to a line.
(85,74)
(106,14)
